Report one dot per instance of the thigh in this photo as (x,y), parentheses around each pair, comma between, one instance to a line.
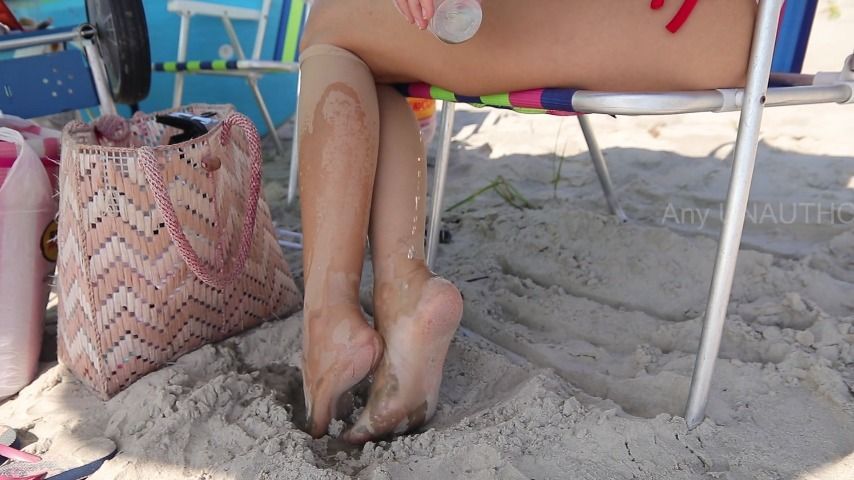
(591,44)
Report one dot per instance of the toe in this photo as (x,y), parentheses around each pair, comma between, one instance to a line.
(358,435)
(316,428)
(363,430)
(384,418)
(372,425)
(318,417)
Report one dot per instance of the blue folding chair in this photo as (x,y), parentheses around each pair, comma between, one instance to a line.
(790,34)
(50,83)
(113,65)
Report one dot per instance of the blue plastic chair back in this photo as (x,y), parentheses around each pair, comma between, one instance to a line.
(45,84)
(793,35)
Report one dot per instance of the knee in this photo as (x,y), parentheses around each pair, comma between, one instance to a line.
(324,26)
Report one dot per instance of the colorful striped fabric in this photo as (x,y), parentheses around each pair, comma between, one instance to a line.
(290,30)
(552,101)
(195,66)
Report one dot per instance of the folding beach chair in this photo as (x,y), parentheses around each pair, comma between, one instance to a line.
(63,81)
(111,66)
(788,87)
(790,33)
(289,30)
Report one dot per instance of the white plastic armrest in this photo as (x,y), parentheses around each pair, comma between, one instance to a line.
(213,10)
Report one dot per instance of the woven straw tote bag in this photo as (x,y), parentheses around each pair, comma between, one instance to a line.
(163,248)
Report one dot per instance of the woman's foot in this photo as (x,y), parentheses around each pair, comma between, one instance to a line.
(417,319)
(340,349)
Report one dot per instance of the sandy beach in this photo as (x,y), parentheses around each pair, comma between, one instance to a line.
(580,332)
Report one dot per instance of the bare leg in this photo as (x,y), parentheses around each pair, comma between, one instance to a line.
(601,44)
(338,153)
(415,312)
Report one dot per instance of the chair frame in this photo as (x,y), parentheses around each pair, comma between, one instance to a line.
(251,68)
(799,89)
(86,35)
(828,87)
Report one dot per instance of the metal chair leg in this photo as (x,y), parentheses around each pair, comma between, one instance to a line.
(183,37)
(99,76)
(601,169)
(441,173)
(736,205)
(262,105)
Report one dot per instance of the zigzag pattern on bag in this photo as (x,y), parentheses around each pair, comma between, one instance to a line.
(128,302)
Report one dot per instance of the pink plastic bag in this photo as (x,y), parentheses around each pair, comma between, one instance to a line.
(27,256)
(44,141)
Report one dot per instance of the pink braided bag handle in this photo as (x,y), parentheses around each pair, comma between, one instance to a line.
(222,277)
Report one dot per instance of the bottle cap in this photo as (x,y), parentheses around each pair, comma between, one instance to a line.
(456,21)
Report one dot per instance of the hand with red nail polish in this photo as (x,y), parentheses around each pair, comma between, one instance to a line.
(418,12)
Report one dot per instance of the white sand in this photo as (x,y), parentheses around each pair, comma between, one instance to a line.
(585,330)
